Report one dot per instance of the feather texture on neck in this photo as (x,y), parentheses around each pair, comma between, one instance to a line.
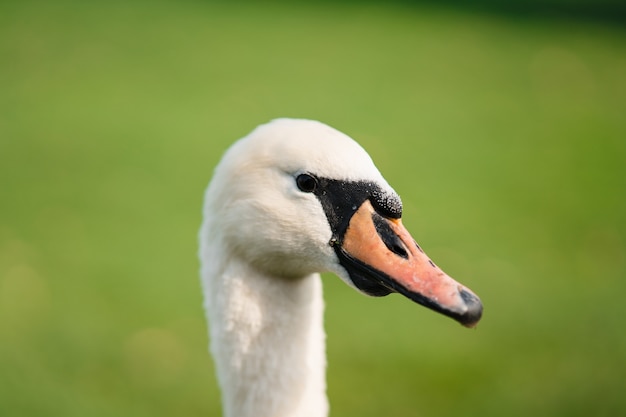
(267,338)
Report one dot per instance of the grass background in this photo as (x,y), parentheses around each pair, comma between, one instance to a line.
(505,134)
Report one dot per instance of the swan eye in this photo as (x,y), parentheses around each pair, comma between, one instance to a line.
(306,183)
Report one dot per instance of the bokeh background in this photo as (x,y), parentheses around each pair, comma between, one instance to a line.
(502,126)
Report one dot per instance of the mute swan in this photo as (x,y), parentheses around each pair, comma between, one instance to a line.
(292,199)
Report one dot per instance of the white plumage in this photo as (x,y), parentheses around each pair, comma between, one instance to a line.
(268,233)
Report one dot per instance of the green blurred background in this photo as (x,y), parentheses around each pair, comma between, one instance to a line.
(503,128)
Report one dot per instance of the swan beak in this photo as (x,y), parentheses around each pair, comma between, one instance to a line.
(383,249)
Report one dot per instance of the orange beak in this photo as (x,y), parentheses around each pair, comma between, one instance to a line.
(383,257)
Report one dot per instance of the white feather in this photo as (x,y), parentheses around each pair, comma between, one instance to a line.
(262,244)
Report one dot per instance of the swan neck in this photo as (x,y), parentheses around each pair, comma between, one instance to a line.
(267,340)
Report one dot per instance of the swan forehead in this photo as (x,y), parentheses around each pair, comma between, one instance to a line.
(296,145)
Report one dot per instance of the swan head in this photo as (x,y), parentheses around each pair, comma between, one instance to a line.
(296,197)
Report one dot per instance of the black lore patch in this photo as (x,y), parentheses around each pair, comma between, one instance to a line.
(341,199)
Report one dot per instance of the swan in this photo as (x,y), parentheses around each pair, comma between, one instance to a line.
(290,200)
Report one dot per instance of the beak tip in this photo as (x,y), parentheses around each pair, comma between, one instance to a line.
(474,311)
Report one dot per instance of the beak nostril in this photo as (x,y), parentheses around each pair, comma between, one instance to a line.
(399,250)
(388,236)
